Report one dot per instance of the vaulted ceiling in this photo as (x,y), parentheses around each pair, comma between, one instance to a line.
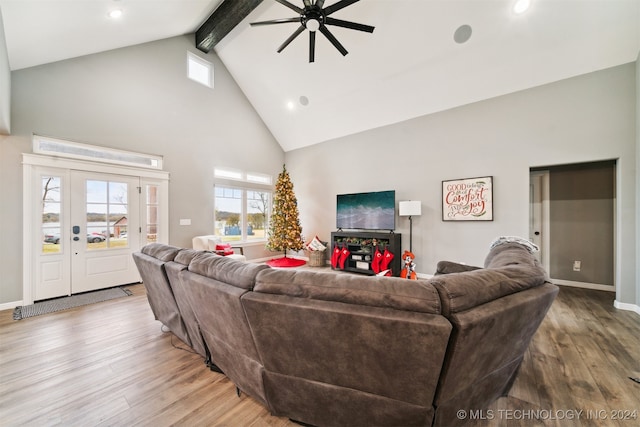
(410,66)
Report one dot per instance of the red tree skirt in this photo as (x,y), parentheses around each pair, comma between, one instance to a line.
(286,262)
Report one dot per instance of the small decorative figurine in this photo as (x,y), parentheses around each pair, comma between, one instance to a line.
(409,268)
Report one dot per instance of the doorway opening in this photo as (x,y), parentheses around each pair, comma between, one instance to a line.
(572,220)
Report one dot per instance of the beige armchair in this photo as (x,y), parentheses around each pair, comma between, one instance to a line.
(209,242)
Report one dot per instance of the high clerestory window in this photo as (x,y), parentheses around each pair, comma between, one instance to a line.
(199,70)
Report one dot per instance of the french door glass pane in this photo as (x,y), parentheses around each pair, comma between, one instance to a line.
(51,215)
(152,212)
(107,210)
(228,214)
(258,203)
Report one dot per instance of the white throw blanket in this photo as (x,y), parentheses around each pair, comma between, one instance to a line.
(531,247)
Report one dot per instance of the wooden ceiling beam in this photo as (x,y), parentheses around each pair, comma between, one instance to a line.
(224,19)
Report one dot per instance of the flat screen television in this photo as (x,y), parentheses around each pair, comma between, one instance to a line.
(367,211)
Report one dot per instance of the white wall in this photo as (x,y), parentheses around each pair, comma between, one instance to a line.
(638,180)
(5,84)
(138,99)
(582,119)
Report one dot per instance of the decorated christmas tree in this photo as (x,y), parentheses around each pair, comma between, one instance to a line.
(284,229)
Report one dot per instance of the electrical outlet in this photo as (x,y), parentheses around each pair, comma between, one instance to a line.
(577,265)
(185,221)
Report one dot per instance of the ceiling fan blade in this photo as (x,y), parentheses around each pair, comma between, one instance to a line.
(347,24)
(290,6)
(336,7)
(312,46)
(324,30)
(295,34)
(276,21)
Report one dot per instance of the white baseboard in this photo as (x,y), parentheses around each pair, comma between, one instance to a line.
(626,306)
(594,286)
(10,305)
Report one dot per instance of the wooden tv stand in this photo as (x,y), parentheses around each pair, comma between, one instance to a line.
(362,247)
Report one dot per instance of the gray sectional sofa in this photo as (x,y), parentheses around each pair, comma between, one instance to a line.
(332,349)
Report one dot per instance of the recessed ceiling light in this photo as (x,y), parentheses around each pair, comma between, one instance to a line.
(521,6)
(462,34)
(291,105)
(115,14)
(304,100)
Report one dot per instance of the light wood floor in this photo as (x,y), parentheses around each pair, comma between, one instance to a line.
(111,364)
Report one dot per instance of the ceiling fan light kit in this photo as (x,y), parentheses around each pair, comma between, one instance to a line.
(314,17)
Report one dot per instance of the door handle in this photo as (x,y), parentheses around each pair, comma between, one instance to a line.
(76,230)
(537,233)
(76,238)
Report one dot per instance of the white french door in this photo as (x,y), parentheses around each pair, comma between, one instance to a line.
(105,230)
(50,246)
(82,227)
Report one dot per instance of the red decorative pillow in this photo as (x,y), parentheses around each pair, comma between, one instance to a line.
(224,249)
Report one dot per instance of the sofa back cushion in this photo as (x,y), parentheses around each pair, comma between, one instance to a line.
(173,270)
(185,256)
(227,270)
(214,286)
(495,311)
(506,273)
(159,293)
(347,349)
(510,254)
(448,267)
(487,345)
(383,292)
(160,251)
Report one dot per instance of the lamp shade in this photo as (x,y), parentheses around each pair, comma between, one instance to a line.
(410,208)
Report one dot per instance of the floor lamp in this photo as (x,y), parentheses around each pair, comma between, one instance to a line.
(410,208)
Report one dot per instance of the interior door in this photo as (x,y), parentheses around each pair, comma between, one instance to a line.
(104,230)
(539,214)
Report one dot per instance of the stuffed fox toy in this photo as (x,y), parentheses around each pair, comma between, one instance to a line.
(409,268)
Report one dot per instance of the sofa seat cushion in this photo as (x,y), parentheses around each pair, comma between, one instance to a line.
(384,292)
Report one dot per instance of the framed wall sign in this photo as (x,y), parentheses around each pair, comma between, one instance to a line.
(468,199)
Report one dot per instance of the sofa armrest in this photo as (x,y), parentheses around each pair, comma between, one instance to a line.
(201,243)
(448,267)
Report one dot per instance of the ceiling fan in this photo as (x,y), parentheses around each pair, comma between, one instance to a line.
(314,17)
